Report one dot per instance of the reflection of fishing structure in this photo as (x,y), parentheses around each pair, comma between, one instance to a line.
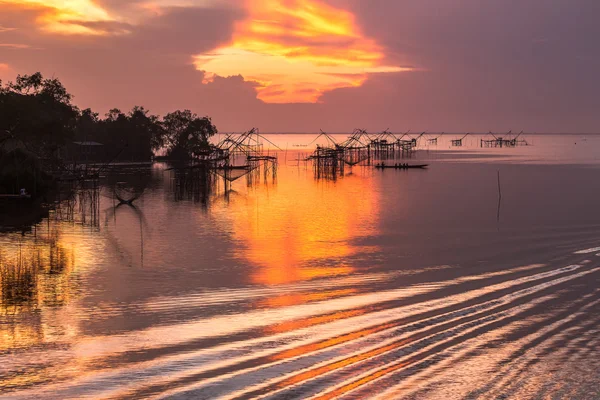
(128,185)
(111,213)
(82,204)
(458,142)
(192,184)
(89,204)
(499,141)
(84,177)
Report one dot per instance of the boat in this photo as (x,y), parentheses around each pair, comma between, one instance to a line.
(233,168)
(402,166)
(15,197)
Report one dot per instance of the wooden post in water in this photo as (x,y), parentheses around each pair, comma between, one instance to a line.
(499,198)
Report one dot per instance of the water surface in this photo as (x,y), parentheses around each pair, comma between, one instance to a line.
(389,284)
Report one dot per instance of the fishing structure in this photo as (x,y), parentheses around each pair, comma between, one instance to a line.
(239,155)
(499,141)
(360,148)
(434,141)
(385,145)
(410,144)
(458,142)
(330,160)
(235,156)
(327,160)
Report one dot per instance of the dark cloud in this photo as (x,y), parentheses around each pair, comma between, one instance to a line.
(152,65)
(487,64)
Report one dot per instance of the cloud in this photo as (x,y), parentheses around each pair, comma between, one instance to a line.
(151,66)
(15,45)
(303,47)
(64,17)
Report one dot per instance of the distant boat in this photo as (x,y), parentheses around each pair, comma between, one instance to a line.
(233,168)
(15,197)
(402,166)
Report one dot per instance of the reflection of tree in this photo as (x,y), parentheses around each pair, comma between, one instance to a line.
(37,273)
(18,282)
(35,279)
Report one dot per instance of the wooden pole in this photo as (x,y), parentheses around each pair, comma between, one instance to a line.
(499,197)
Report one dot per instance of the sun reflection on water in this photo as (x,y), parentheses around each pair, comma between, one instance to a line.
(300,231)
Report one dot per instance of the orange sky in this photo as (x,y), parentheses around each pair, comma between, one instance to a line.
(305,65)
(65,16)
(295,50)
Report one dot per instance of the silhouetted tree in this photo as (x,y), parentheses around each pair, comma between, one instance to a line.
(88,126)
(38,113)
(144,132)
(185,135)
(38,125)
(133,136)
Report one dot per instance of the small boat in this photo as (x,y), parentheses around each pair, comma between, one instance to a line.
(233,168)
(15,196)
(16,199)
(402,166)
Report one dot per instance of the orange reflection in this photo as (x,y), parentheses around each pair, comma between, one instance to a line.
(312,321)
(303,298)
(339,365)
(361,382)
(295,50)
(299,230)
(36,275)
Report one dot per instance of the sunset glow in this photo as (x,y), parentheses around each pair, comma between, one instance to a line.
(285,246)
(291,51)
(294,51)
(66,17)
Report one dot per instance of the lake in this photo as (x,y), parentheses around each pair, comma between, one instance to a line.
(478,277)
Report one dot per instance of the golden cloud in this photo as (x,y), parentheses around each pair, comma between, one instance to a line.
(296,50)
(15,45)
(67,17)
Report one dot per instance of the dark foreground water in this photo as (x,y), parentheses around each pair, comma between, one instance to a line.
(381,284)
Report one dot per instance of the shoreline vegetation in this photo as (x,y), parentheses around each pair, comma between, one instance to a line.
(45,138)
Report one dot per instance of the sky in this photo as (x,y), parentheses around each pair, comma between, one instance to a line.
(336,65)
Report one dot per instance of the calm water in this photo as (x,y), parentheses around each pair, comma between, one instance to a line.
(389,284)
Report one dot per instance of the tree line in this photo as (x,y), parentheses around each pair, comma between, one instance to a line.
(37,114)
